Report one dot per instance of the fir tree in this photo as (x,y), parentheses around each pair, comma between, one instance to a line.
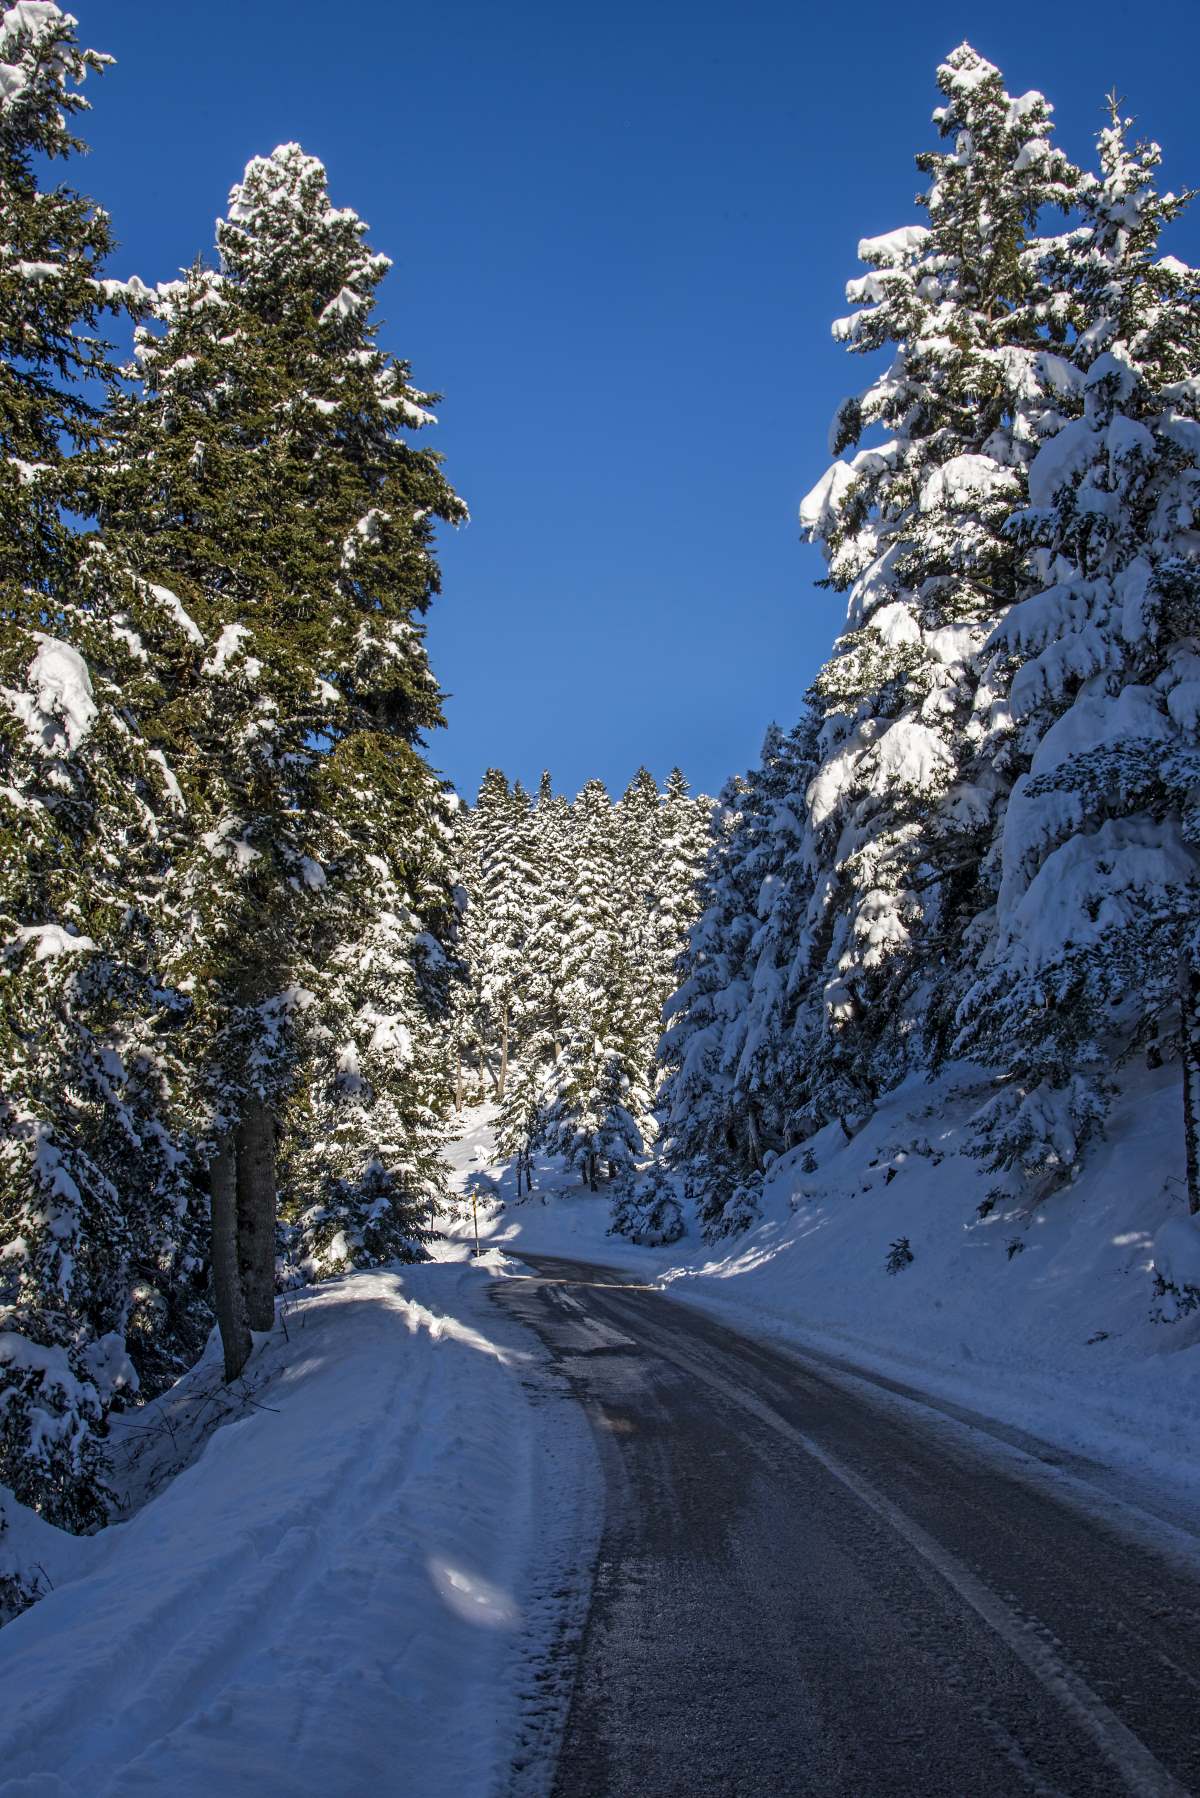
(914,527)
(525,1108)
(596,1085)
(1095,863)
(730,1089)
(98,1252)
(277,525)
(361,1163)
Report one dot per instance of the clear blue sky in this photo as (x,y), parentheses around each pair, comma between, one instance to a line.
(620,232)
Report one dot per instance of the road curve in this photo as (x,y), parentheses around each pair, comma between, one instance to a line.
(806,1587)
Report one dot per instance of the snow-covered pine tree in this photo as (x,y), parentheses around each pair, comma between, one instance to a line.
(98,1296)
(361,1165)
(914,529)
(728,1091)
(598,1090)
(498,875)
(772,1066)
(682,846)
(642,880)
(1097,864)
(54,360)
(553,840)
(524,1110)
(269,507)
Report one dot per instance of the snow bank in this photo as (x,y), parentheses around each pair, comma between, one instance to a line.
(1177,1252)
(340,1593)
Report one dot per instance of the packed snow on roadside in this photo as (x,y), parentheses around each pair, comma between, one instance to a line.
(346,1588)
(1046,1318)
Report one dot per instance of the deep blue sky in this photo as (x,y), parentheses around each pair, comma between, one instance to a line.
(620,232)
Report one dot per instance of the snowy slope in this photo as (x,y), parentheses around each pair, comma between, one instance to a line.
(1057,1337)
(343,1592)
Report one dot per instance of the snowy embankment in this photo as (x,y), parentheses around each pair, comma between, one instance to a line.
(344,1589)
(1043,1319)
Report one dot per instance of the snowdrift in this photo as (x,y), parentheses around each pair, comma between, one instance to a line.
(328,1599)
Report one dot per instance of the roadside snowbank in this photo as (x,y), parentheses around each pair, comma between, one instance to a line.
(342,1591)
(1044,1321)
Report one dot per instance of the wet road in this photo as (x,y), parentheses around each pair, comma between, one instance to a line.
(805,1585)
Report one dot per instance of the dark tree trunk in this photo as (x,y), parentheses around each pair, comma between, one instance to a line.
(255,1142)
(503,1075)
(1189,1021)
(227,1285)
(753,1138)
(458,1081)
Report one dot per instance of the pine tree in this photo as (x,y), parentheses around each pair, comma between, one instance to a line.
(682,845)
(1096,868)
(729,1091)
(361,1164)
(276,521)
(914,528)
(597,1092)
(524,1115)
(499,881)
(642,878)
(98,1251)
(553,848)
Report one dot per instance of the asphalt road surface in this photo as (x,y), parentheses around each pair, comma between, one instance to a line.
(808,1584)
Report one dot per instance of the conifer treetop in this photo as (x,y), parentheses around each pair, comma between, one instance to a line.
(42,66)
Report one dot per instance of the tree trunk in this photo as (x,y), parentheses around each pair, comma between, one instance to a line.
(458,1080)
(503,1076)
(255,1141)
(1189,1032)
(227,1285)
(752,1134)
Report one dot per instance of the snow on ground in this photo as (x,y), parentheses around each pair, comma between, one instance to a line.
(348,1587)
(1056,1336)
(349,1573)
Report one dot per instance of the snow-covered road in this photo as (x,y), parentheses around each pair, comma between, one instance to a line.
(809,1585)
(350,1589)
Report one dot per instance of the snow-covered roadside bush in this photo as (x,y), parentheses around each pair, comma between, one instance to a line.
(1177,1269)
(649,1211)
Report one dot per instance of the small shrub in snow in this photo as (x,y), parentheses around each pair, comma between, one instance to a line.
(1171,1302)
(899,1256)
(1176,1270)
(743,1208)
(1014,1246)
(648,1211)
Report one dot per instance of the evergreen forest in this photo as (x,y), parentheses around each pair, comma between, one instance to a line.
(258,958)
